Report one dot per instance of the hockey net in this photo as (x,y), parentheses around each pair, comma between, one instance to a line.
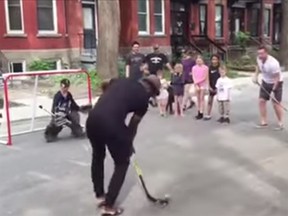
(23,93)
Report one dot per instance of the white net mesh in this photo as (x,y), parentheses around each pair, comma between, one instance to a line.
(27,91)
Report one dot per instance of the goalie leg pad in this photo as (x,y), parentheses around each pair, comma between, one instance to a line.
(75,126)
(51,132)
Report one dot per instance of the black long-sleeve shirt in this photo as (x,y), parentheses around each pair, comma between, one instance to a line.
(64,104)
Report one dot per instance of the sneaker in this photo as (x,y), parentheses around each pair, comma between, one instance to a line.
(261,125)
(101,202)
(279,127)
(226,120)
(207,118)
(108,211)
(220,120)
(199,116)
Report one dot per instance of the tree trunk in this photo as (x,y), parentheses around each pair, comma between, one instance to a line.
(284,35)
(108,41)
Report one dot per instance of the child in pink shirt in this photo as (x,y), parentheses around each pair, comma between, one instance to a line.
(200,74)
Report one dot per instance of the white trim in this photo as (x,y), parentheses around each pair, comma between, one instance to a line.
(96,23)
(163,18)
(10,64)
(147,32)
(58,64)
(55,20)
(9,31)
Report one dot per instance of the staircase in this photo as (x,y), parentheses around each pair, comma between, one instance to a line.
(209,46)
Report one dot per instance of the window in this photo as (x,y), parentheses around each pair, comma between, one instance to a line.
(254,22)
(267,18)
(159,16)
(47,16)
(219,21)
(203,19)
(143,16)
(14,16)
(17,67)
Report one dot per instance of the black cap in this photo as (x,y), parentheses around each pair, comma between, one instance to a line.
(65,83)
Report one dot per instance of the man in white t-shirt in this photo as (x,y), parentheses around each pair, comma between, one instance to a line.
(272,83)
(223,86)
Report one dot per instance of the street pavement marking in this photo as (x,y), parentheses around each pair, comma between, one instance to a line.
(40,175)
(80,163)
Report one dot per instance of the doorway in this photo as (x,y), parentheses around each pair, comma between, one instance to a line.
(179,24)
(237,22)
(89,25)
(277,22)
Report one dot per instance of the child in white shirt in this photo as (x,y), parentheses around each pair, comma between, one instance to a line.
(224,86)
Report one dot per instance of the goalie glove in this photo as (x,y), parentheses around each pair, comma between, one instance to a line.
(85,108)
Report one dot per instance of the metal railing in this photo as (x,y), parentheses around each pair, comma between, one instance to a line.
(212,45)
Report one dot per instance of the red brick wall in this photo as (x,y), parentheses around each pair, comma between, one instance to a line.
(30,40)
(129,25)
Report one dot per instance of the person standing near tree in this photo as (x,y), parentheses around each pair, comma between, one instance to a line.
(272,84)
(135,63)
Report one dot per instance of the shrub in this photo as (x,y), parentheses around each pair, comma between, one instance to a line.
(242,39)
(41,65)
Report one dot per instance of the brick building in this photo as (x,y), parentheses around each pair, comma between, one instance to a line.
(65,31)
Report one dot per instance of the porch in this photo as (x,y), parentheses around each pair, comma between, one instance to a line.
(190,26)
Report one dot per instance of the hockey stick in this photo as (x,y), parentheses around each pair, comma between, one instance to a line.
(272,97)
(158,201)
(67,122)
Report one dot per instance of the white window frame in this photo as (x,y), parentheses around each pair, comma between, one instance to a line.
(55,20)
(9,31)
(10,64)
(147,32)
(58,64)
(163,18)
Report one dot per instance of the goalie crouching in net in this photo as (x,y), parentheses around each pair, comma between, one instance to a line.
(65,113)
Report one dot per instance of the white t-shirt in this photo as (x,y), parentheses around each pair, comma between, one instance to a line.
(223,86)
(269,69)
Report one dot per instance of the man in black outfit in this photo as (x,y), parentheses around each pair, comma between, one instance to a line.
(106,127)
(65,111)
(157,60)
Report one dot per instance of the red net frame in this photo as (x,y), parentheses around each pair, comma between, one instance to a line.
(8,76)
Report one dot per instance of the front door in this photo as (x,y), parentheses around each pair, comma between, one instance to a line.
(179,23)
(277,20)
(89,30)
(237,22)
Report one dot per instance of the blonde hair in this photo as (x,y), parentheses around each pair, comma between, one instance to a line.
(200,57)
(180,66)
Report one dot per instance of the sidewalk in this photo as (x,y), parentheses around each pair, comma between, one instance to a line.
(26,112)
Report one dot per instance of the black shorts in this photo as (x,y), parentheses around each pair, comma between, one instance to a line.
(266,89)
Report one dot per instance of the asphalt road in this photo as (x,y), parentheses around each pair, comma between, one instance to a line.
(208,169)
